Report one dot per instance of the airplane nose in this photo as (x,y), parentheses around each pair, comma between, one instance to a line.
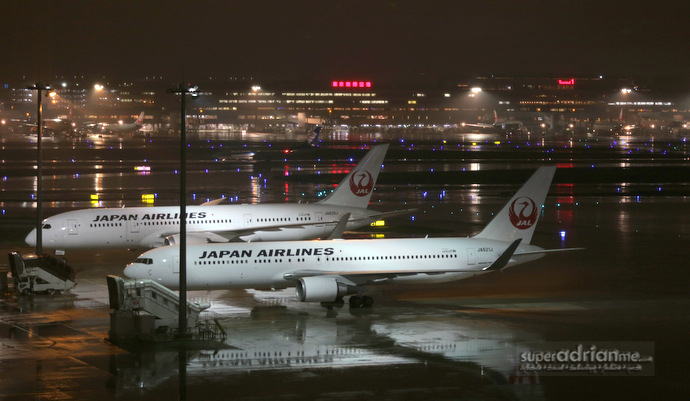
(31,238)
(129,270)
(134,270)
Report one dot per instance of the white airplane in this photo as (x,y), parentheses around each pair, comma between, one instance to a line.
(326,271)
(124,128)
(150,227)
(311,142)
(504,126)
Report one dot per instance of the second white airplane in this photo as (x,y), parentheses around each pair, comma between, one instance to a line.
(326,271)
(150,227)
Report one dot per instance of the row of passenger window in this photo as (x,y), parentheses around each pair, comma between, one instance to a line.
(328,259)
(239,262)
(162,223)
(396,257)
(281,219)
(176,222)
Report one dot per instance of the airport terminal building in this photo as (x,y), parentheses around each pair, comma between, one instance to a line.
(546,103)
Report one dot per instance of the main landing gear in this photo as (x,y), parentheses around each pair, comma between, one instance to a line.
(355,302)
(361,301)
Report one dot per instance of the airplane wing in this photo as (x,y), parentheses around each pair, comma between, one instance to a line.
(386,214)
(359,277)
(233,235)
(478,125)
(213,202)
(548,251)
(339,229)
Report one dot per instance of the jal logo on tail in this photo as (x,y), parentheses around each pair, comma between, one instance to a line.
(523,213)
(361,183)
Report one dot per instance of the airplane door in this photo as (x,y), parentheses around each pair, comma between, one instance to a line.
(471,256)
(133,226)
(247,220)
(175,264)
(318,216)
(72,227)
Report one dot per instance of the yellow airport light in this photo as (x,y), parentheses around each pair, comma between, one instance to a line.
(94,197)
(378,223)
(148,198)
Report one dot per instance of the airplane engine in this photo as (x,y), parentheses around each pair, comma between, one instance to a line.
(191,240)
(321,289)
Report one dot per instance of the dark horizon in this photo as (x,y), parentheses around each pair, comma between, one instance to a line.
(392,41)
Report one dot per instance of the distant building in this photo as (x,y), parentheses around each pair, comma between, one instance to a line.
(242,104)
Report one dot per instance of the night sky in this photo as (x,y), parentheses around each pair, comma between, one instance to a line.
(305,39)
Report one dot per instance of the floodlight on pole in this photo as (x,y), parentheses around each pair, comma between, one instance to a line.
(39,87)
(183,90)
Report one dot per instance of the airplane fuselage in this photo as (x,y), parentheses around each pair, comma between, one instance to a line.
(150,227)
(272,265)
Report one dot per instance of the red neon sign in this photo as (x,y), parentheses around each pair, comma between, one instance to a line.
(351,84)
(570,81)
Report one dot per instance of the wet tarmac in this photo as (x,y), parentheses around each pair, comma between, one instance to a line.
(625,200)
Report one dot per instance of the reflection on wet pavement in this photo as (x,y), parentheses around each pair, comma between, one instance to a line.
(450,341)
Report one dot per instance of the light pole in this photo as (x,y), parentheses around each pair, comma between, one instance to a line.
(183,90)
(256,89)
(39,87)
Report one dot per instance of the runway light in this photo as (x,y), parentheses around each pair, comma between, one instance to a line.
(562,235)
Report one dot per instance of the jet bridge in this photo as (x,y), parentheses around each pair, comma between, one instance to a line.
(129,298)
(40,273)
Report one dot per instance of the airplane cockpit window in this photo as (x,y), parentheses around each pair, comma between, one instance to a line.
(144,261)
(47,227)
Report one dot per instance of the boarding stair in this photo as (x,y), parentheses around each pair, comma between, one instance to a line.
(152,298)
(40,274)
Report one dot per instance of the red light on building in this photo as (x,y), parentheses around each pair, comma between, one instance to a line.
(351,84)
(570,81)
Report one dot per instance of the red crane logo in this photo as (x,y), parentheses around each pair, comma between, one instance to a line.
(361,183)
(523,213)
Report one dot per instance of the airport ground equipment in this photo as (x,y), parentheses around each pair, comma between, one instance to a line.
(4,282)
(143,309)
(40,274)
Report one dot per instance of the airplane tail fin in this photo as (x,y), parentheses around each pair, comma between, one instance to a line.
(140,120)
(518,218)
(313,138)
(357,187)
